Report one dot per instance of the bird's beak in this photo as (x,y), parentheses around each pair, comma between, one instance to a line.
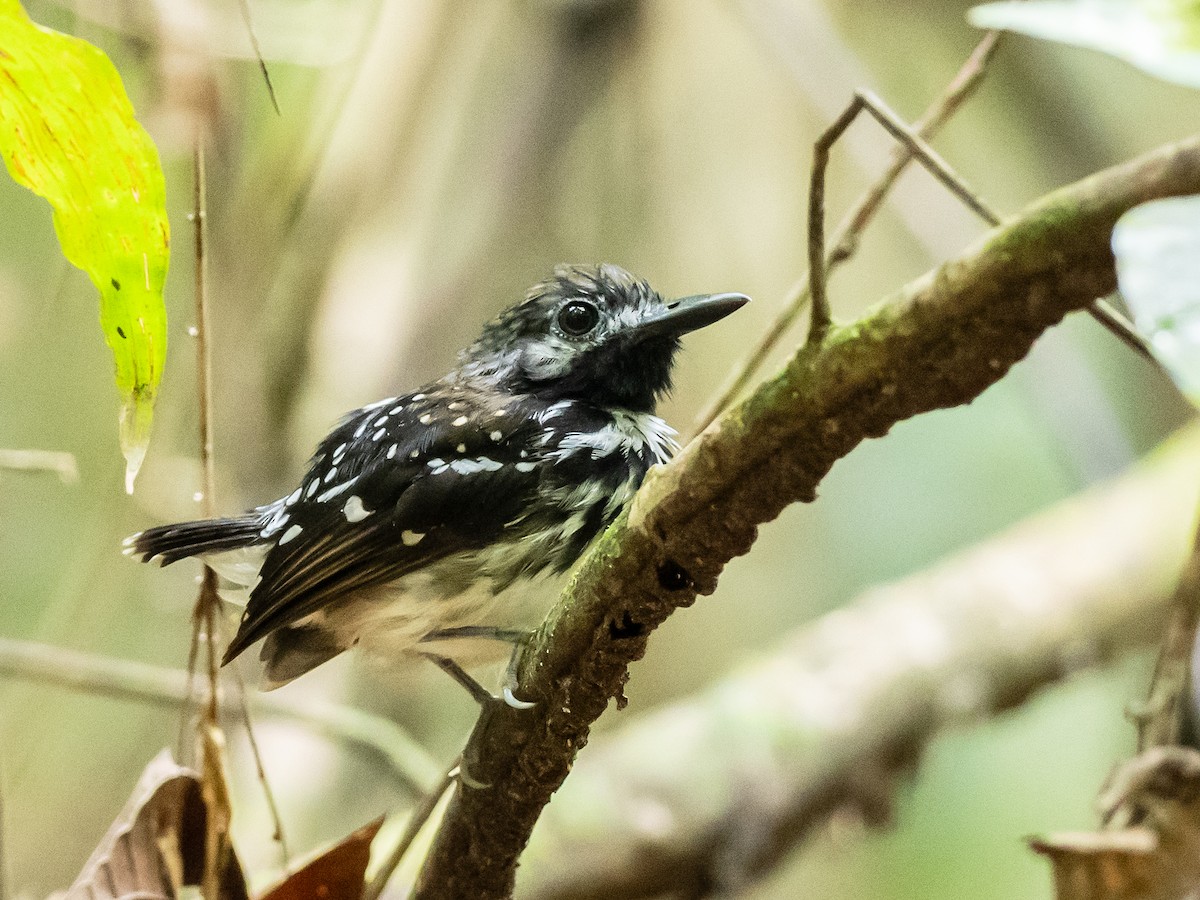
(681,316)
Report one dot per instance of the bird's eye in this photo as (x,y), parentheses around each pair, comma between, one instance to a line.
(578,317)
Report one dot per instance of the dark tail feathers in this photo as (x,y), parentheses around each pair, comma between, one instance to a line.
(169,543)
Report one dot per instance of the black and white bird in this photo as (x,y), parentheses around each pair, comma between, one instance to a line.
(423,518)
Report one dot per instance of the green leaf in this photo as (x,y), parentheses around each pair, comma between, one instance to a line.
(1157,246)
(1161,37)
(68,133)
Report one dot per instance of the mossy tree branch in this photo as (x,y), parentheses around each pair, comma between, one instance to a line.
(937,343)
(705,795)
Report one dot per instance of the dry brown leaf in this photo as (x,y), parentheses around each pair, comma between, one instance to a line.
(337,873)
(1155,853)
(156,844)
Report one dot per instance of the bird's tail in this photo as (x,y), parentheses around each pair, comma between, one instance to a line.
(169,543)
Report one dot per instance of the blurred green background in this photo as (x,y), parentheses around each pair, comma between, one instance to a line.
(432,159)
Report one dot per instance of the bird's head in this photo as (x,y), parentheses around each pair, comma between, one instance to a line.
(593,333)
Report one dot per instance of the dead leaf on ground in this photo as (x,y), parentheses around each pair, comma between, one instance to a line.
(337,873)
(156,844)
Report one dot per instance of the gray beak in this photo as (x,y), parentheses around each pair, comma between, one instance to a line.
(681,316)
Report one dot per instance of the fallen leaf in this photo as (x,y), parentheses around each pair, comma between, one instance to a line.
(337,873)
(156,844)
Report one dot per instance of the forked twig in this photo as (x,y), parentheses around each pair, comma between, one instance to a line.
(941,170)
(918,149)
(911,144)
(957,92)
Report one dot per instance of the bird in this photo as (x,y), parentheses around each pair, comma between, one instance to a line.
(423,519)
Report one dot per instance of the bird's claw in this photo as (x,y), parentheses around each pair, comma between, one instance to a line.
(511,699)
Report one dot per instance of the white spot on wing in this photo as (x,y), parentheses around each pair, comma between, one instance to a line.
(426,419)
(293,496)
(354,511)
(496,436)
(411,538)
(335,491)
(289,534)
(379,434)
(391,454)
(526,466)
(555,409)
(331,474)
(461,420)
(461,448)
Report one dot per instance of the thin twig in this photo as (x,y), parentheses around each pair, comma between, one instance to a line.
(911,144)
(957,92)
(420,815)
(410,766)
(208,603)
(262,63)
(1160,723)
(58,462)
(918,148)
(205,612)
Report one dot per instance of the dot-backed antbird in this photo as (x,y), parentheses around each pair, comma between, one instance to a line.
(422,518)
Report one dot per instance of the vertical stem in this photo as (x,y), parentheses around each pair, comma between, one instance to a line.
(821,315)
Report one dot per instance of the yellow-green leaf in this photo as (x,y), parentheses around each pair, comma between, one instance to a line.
(68,133)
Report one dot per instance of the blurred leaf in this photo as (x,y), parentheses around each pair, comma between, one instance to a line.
(1161,37)
(1154,859)
(156,844)
(1157,246)
(335,874)
(68,133)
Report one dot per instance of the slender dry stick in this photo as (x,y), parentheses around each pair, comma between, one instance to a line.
(208,603)
(204,614)
(911,144)
(262,63)
(941,170)
(845,243)
(1100,310)
(865,101)
(420,815)
(1160,722)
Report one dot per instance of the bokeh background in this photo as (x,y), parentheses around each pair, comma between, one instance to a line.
(431,159)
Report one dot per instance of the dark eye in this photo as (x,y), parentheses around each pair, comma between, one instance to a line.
(578,317)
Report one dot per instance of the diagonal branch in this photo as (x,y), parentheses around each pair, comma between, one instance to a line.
(939,342)
(833,717)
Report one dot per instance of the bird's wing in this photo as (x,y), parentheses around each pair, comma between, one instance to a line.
(393,488)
